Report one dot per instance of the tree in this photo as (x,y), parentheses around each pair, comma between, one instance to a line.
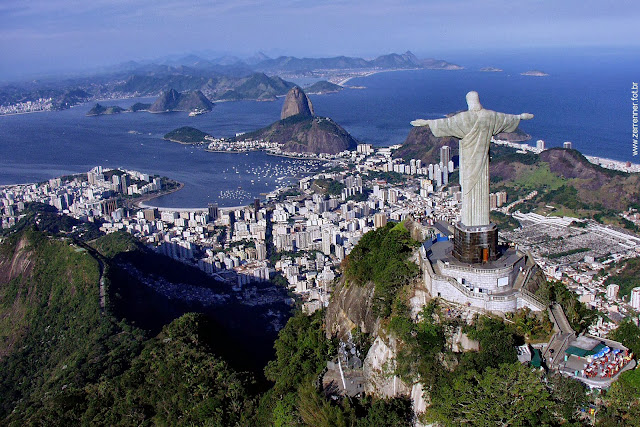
(579,316)
(381,257)
(301,351)
(628,334)
(623,401)
(318,412)
(301,354)
(570,395)
(497,344)
(511,394)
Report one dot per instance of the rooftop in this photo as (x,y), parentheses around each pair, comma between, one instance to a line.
(442,251)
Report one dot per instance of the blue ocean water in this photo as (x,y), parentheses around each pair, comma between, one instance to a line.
(585,99)
(39,146)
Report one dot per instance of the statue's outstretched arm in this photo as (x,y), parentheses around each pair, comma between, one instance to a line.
(420,122)
(450,126)
(525,116)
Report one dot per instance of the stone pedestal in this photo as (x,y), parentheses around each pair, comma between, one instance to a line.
(475,245)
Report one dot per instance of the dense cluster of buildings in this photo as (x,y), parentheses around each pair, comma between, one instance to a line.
(304,237)
(41,104)
(97,194)
(577,253)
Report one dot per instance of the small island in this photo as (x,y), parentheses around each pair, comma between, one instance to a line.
(491,69)
(323,87)
(534,73)
(186,135)
(99,110)
(139,106)
(173,100)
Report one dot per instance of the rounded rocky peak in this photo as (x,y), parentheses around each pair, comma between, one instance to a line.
(296,103)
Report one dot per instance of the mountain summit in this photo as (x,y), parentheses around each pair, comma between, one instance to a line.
(296,103)
(172,100)
(300,131)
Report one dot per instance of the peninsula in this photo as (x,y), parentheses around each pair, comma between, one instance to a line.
(323,87)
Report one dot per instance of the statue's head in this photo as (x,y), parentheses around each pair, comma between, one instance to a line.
(473,101)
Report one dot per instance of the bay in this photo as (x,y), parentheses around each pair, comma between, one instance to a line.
(586,99)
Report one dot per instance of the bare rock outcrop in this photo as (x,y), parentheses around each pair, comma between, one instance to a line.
(296,103)
(351,306)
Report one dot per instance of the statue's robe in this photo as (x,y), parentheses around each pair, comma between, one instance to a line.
(474,129)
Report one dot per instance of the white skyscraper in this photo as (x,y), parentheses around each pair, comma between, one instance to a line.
(635,298)
(437,175)
(612,291)
(540,145)
(326,243)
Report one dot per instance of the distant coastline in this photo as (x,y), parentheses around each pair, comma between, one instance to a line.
(370,73)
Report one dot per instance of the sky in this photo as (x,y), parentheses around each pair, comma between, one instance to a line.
(41,36)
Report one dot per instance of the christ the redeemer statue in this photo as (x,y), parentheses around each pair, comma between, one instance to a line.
(474,128)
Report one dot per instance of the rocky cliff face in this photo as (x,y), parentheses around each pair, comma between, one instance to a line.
(300,131)
(351,306)
(296,103)
(16,266)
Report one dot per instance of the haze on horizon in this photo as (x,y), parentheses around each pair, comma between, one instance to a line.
(48,36)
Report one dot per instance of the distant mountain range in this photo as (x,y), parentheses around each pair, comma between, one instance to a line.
(261,62)
(390,61)
(224,78)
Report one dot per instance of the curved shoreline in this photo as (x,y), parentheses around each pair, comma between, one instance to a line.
(141,202)
(269,153)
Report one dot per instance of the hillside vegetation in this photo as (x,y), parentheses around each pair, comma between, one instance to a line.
(381,257)
(566,181)
(53,333)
